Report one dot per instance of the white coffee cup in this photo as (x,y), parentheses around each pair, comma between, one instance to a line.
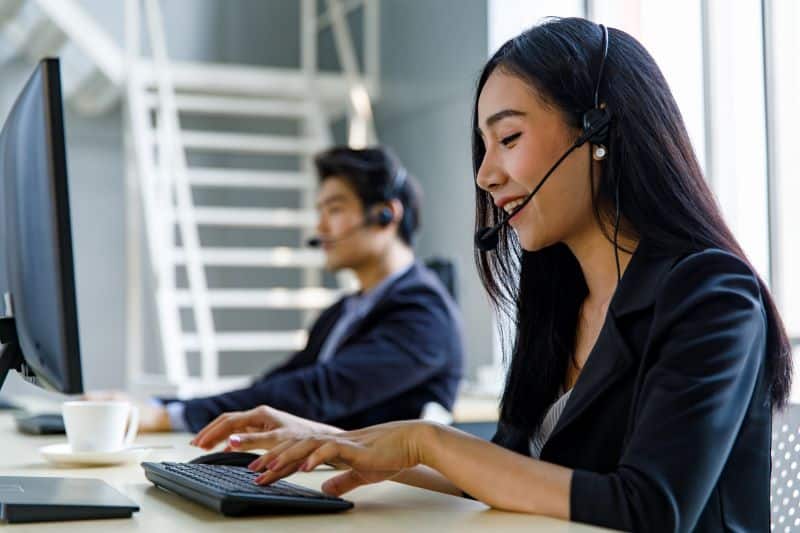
(99,426)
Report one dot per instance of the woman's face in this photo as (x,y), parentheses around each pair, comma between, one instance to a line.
(524,137)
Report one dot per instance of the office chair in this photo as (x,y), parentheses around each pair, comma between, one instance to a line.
(445,270)
(785,479)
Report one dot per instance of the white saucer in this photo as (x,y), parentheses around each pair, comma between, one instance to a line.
(62,454)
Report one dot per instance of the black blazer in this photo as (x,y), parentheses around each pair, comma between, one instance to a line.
(668,426)
(407,351)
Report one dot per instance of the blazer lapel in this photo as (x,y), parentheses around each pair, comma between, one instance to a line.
(377,307)
(318,334)
(611,356)
(608,361)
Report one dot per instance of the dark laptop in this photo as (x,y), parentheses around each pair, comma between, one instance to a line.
(47,499)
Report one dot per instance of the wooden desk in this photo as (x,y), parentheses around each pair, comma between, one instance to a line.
(383,507)
(476,408)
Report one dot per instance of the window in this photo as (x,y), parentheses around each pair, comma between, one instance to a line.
(783,90)
(733,69)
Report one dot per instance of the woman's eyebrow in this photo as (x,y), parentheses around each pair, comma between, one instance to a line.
(500,115)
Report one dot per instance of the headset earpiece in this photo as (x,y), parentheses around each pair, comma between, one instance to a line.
(597,119)
(595,125)
(394,188)
(382,218)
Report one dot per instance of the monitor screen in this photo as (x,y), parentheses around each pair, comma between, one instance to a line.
(37,244)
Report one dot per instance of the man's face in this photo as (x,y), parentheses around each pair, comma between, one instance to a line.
(345,240)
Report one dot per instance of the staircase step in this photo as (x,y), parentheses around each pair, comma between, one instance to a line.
(45,39)
(252,341)
(306,298)
(80,27)
(189,387)
(233,79)
(203,104)
(255,179)
(29,31)
(255,217)
(10,9)
(245,143)
(257,257)
(94,94)
(14,29)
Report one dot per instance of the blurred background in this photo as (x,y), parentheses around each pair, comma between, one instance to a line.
(190,125)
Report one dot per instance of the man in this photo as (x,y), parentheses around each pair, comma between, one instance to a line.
(375,356)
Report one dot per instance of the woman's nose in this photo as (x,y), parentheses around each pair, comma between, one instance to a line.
(489,177)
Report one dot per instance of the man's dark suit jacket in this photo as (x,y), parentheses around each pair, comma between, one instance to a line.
(668,426)
(405,352)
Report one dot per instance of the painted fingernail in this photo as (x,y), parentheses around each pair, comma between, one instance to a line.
(304,467)
(235,440)
(272,464)
(252,466)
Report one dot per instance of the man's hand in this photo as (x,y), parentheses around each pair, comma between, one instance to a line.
(152,418)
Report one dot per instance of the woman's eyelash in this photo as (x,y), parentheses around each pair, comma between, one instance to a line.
(510,139)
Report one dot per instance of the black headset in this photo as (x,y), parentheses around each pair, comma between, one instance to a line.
(381,218)
(384,216)
(595,125)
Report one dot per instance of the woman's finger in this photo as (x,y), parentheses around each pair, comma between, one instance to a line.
(262,462)
(338,485)
(209,435)
(298,452)
(271,476)
(256,441)
(327,453)
(223,426)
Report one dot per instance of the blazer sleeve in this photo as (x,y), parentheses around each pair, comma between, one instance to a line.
(708,338)
(403,349)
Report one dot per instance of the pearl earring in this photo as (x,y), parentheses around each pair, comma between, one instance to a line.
(599,152)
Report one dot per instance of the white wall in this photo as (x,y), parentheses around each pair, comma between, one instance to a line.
(431,55)
(429,73)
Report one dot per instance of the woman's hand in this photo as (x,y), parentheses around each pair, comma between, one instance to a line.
(259,419)
(373,454)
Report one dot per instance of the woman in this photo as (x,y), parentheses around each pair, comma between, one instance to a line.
(648,356)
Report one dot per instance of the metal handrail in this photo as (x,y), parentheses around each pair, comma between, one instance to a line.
(174,177)
(362,125)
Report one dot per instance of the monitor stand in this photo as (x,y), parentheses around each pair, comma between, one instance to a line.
(7,405)
(11,355)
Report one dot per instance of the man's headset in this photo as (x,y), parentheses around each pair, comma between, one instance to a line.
(595,130)
(381,218)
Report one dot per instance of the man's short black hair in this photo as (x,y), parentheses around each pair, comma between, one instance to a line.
(374,173)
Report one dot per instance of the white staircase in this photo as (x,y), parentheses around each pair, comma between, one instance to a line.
(178,151)
(91,62)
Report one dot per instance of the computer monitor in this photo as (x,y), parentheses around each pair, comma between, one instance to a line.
(39,329)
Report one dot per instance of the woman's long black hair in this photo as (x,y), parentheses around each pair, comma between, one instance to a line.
(663,199)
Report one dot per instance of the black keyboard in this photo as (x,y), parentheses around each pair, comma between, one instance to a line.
(231,490)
